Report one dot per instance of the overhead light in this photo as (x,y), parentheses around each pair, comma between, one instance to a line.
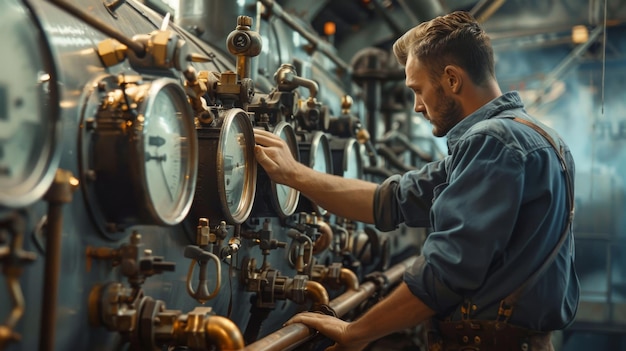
(580,34)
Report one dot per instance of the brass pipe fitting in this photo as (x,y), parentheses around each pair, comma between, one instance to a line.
(326,236)
(349,279)
(317,293)
(224,333)
(200,330)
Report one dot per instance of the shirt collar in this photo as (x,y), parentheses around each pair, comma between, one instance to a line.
(506,101)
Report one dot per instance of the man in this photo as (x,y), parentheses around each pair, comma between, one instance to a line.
(498,205)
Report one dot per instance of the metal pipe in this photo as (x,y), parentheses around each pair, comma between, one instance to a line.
(293,335)
(136,47)
(565,65)
(349,279)
(316,293)
(223,333)
(317,43)
(60,193)
(13,281)
(485,8)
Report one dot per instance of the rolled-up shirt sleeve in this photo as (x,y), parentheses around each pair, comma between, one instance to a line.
(407,198)
(473,215)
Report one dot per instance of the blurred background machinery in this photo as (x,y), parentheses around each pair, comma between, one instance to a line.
(133,215)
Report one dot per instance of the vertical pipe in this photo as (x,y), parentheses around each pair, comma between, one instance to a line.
(60,193)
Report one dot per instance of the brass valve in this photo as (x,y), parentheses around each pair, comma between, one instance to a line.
(245,44)
(136,262)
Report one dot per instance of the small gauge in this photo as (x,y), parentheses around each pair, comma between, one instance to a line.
(347,161)
(29,109)
(284,198)
(272,198)
(316,154)
(139,164)
(227,169)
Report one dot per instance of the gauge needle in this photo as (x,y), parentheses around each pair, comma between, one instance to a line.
(162,167)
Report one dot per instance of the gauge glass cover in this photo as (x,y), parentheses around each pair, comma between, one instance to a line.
(285,197)
(352,162)
(29,114)
(320,158)
(237,165)
(170,151)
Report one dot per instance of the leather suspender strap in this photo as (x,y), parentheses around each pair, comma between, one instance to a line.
(507,304)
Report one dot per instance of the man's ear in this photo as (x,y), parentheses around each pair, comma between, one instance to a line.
(453,78)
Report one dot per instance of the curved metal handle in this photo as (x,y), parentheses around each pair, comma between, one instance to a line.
(202,294)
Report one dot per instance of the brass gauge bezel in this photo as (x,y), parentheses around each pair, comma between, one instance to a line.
(213,199)
(113,143)
(29,153)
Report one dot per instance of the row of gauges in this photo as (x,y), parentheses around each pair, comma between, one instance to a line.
(143,158)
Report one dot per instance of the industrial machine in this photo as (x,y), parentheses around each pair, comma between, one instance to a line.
(133,214)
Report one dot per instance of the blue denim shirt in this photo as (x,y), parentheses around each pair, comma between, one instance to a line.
(497,205)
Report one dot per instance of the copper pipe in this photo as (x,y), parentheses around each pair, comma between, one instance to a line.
(326,237)
(224,333)
(349,279)
(293,335)
(13,281)
(316,292)
(60,193)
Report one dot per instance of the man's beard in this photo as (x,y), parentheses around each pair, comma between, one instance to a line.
(447,113)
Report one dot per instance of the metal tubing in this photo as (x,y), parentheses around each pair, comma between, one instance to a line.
(60,193)
(224,333)
(293,335)
(564,66)
(317,43)
(316,293)
(13,281)
(136,47)
(349,279)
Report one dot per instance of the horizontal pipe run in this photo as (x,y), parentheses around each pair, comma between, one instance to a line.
(293,335)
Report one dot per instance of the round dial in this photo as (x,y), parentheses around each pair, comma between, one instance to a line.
(352,163)
(138,165)
(227,169)
(170,163)
(29,114)
(284,198)
(237,162)
(317,155)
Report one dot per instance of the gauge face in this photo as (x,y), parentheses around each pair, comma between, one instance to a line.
(284,198)
(236,166)
(169,151)
(352,163)
(29,125)
(320,159)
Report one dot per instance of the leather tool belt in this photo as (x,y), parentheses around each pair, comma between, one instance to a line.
(475,335)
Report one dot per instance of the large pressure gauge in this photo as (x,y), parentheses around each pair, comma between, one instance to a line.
(227,169)
(29,109)
(315,153)
(277,199)
(139,152)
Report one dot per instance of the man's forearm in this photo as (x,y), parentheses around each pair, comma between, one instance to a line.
(398,311)
(349,198)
